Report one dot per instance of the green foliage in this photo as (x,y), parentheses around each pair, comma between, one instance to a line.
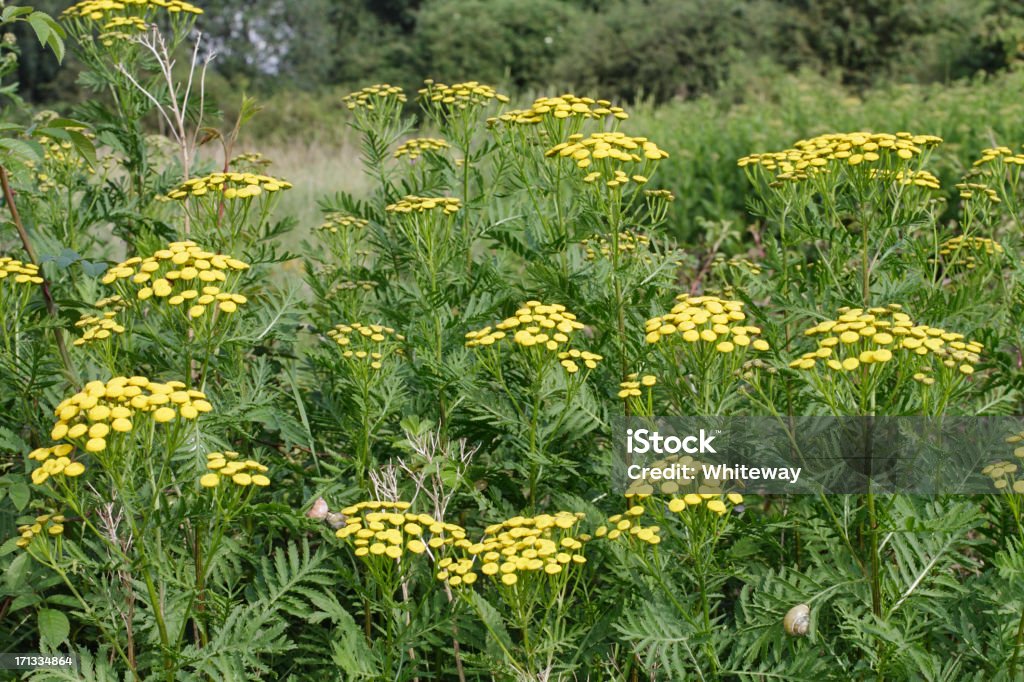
(382,447)
(519,42)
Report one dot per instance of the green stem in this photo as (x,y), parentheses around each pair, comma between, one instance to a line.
(51,307)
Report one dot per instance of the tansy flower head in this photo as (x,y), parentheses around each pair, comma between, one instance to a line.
(706,320)
(44,525)
(15,271)
(128,24)
(841,150)
(231,185)
(369,343)
(414,148)
(228,467)
(414,204)
(967,252)
(335,221)
(563,107)
(98,327)
(994,155)
(1004,477)
(906,177)
(976,191)
(182,273)
(112,10)
(877,336)
(629,244)
(660,194)
(627,528)
(534,324)
(250,161)
(536,547)
(572,359)
(735,263)
(460,95)
(613,157)
(102,411)
(372,96)
(631,387)
(387,531)
(713,502)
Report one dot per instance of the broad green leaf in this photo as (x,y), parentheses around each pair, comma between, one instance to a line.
(17,570)
(54,628)
(22,148)
(13,12)
(19,493)
(49,33)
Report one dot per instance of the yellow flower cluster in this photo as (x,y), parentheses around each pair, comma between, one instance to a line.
(713,502)
(521,546)
(250,160)
(55,461)
(172,274)
(858,337)
(414,204)
(611,151)
(461,95)
(415,147)
(570,360)
(98,10)
(1003,474)
(1004,154)
(920,178)
(737,262)
(389,530)
(561,107)
(335,221)
(102,410)
(58,155)
(964,251)
(349,285)
(535,324)
(109,38)
(977,190)
(136,24)
(18,272)
(852,149)
(369,97)
(115,301)
(228,465)
(631,387)
(98,328)
(661,194)
(629,243)
(50,524)
(628,526)
(370,342)
(231,185)
(706,319)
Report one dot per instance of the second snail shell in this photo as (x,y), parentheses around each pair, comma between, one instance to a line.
(797,620)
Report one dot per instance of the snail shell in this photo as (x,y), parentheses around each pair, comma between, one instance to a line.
(319,509)
(798,620)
